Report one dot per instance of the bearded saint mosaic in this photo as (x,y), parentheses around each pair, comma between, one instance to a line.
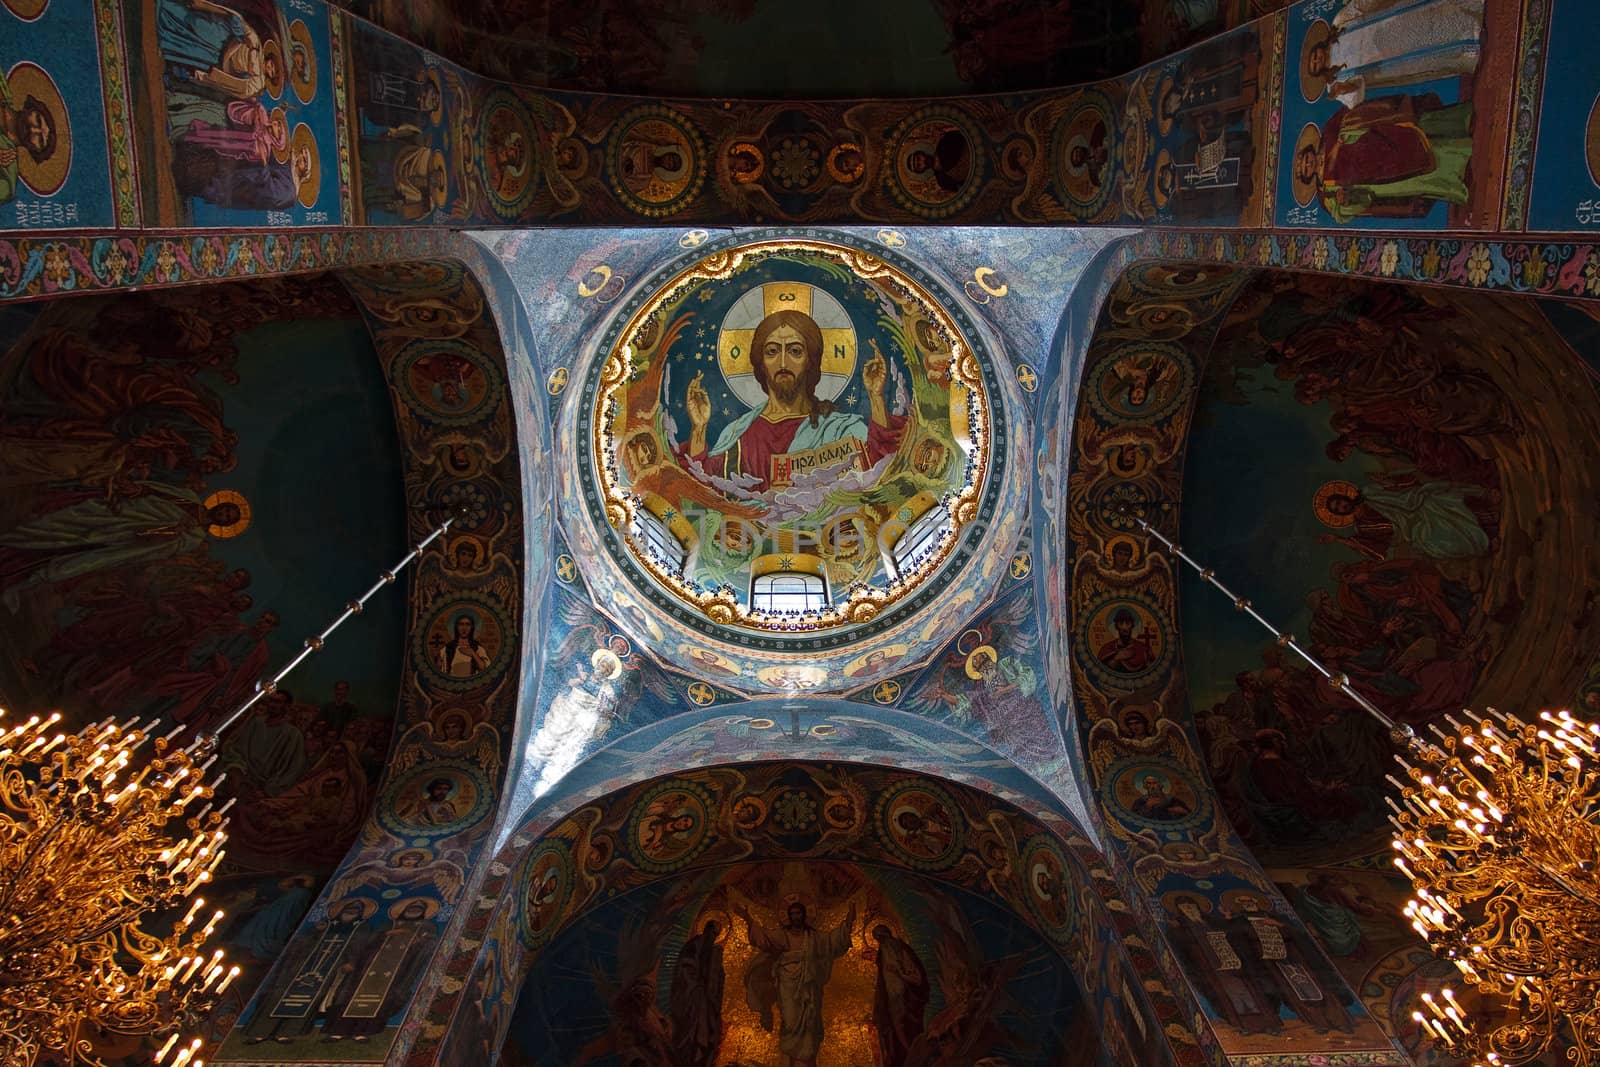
(792,437)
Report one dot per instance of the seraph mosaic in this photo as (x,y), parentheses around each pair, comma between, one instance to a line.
(239,106)
(790,437)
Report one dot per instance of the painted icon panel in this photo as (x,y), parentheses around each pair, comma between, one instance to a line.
(55,170)
(239,100)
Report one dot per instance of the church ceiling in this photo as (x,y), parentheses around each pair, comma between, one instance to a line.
(372,129)
(1361,461)
(980,892)
(1423,524)
(729,47)
(622,650)
(194,481)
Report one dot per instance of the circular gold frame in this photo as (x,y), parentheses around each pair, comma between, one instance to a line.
(864,603)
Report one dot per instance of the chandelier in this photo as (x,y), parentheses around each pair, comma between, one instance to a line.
(1498,830)
(106,836)
(88,854)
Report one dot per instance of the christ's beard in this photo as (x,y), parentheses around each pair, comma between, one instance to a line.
(785,389)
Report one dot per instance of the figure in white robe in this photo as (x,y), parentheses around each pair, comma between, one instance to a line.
(579,715)
(792,965)
(1388,44)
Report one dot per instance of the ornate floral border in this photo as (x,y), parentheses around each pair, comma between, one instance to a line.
(1525,101)
(1537,268)
(44,265)
(341,127)
(114,90)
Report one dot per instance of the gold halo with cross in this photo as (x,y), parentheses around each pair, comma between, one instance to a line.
(738,333)
(46,178)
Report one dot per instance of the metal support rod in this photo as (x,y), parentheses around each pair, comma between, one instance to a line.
(208,739)
(1339,679)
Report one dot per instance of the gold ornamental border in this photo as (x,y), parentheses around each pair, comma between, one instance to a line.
(864,604)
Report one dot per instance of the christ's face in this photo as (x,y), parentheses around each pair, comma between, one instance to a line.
(784,358)
(1341,505)
(797,915)
(36,131)
(1305,164)
(1317,60)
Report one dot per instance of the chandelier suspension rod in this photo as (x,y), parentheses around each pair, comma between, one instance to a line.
(208,740)
(1338,679)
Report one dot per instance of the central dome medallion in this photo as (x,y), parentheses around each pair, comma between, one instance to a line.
(792,439)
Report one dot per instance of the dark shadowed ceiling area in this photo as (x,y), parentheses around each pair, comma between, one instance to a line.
(829,48)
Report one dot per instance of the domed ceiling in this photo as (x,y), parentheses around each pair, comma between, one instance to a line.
(788,452)
(938,351)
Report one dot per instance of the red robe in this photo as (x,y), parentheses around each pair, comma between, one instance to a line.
(764,439)
(1128,658)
